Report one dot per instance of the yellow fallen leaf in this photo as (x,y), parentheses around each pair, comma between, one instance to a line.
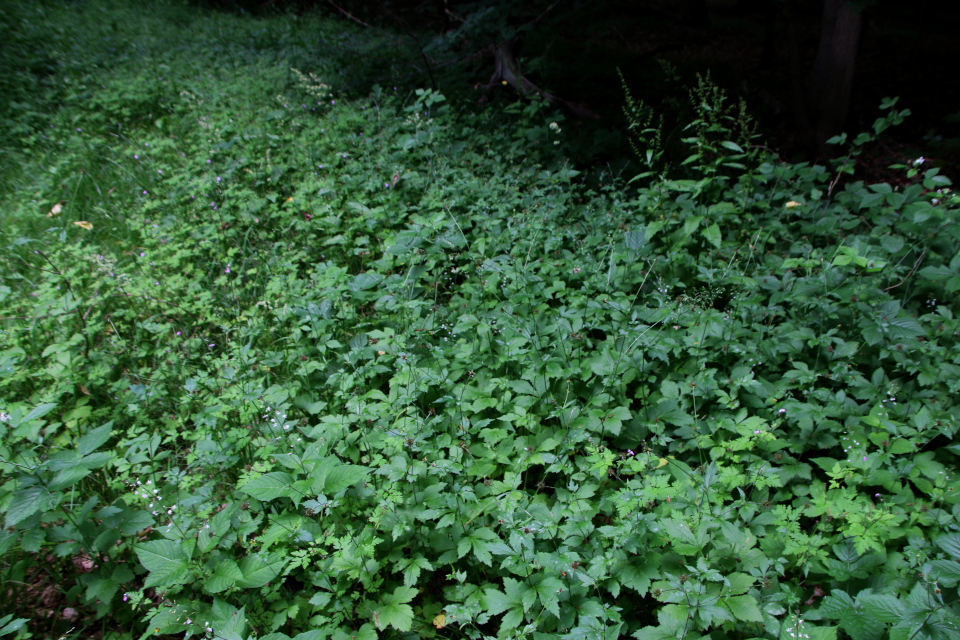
(440,621)
(381,353)
(792,204)
(57,208)
(83,224)
(290,199)
(663,462)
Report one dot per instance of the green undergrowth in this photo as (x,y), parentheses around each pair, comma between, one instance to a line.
(278,363)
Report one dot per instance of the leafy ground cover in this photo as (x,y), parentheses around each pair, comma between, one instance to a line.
(282,363)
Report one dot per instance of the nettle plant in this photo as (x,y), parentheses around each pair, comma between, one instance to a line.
(368,371)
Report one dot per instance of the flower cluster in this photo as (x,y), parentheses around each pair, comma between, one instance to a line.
(147,492)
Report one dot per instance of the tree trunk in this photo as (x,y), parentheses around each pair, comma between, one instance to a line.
(832,79)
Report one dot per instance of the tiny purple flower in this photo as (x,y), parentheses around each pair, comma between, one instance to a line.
(218,178)
(227,270)
(136,157)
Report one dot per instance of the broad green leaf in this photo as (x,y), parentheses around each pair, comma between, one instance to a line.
(343,477)
(950,542)
(712,234)
(68,477)
(744,608)
(635,238)
(269,486)
(38,412)
(410,567)
(28,501)
(740,583)
(225,576)
(393,610)
(10,625)
(94,439)
(258,572)
(884,607)
(102,589)
(165,560)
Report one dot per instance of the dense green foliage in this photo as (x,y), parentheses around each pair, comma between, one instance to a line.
(276,363)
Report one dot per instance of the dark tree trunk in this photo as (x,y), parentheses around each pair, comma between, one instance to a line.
(832,79)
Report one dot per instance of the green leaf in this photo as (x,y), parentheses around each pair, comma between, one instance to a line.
(28,501)
(635,238)
(102,589)
(744,608)
(950,542)
(225,576)
(165,560)
(884,607)
(269,486)
(68,477)
(853,618)
(713,235)
(515,600)
(94,439)
(410,567)
(11,626)
(740,583)
(258,572)
(364,281)
(343,477)
(394,611)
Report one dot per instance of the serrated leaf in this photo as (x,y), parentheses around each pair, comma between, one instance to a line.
(225,576)
(258,572)
(38,412)
(635,238)
(102,589)
(950,543)
(165,560)
(739,583)
(744,608)
(411,567)
(884,607)
(394,611)
(94,439)
(343,477)
(363,281)
(68,477)
(28,501)
(366,632)
(712,234)
(269,486)
(947,572)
